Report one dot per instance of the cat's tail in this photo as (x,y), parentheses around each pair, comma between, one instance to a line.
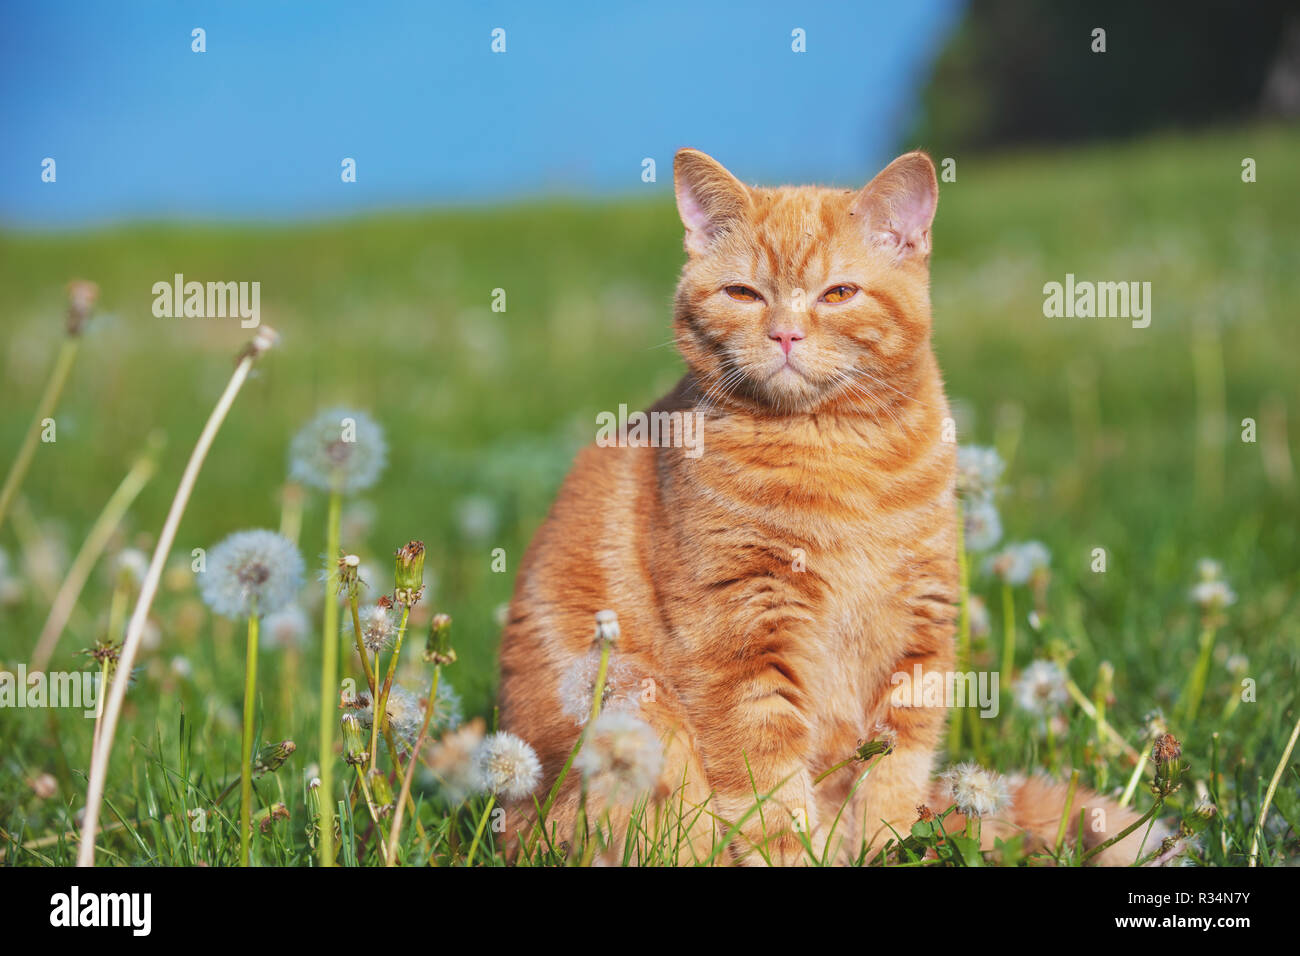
(1038,804)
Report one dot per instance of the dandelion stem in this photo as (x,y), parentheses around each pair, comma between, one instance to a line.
(1134,778)
(100,533)
(1155,808)
(1008,631)
(329,674)
(1196,684)
(1087,707)
(148,589)
(246,754)
(478,833)
(390,855)
(1268,795)
(1065,814)
(49,400)
(1207,365)
(361,647)
(597,693)
(381,704)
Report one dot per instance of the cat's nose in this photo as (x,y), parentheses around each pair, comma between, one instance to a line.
(787,338)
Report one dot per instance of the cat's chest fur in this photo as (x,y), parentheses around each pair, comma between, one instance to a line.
(793,541)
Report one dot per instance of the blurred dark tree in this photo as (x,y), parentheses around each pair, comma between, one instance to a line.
(1024,71)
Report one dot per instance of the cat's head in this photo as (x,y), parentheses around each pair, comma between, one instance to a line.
(799,298)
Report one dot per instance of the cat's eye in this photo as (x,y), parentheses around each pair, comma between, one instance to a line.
(839,293)
(743,293)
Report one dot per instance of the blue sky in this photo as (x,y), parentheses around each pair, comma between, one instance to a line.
(141,127)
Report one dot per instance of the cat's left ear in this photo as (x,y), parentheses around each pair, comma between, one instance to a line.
(897,207)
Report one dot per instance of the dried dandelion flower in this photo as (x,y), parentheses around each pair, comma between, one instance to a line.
(507,766)
(1040,689)
(82,295)
(621,754)
(1166,749)
(340,449)
(578,685)
(251,572)
(975,791)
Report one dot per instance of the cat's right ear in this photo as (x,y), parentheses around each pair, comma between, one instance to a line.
(708,198)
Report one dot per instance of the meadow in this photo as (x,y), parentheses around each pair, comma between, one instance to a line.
(1128,440)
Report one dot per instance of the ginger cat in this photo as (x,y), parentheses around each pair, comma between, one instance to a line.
(772,585)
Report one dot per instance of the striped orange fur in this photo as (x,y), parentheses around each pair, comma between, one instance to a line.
(768,588)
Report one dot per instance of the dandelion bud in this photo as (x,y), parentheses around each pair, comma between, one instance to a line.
(884,742)
(438,649)
(270,759)
(924,814)
(607,626)
(1167,752)
(81,303)
(408,579)
(1106,681)
(381,792)
(354,748)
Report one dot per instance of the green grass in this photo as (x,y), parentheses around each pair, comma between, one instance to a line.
(392,314)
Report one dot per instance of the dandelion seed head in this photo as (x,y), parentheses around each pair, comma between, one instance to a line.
(975,791)
(340,448)
(621,755)
(251,569)
(979,468)
(506,765)
(1018,562)
(286,628)
(131,564)
(451,760)
(379,626)
(405,711)
(477,517)
(1212,595)
(981,525)
(579,684)
(1040,689)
